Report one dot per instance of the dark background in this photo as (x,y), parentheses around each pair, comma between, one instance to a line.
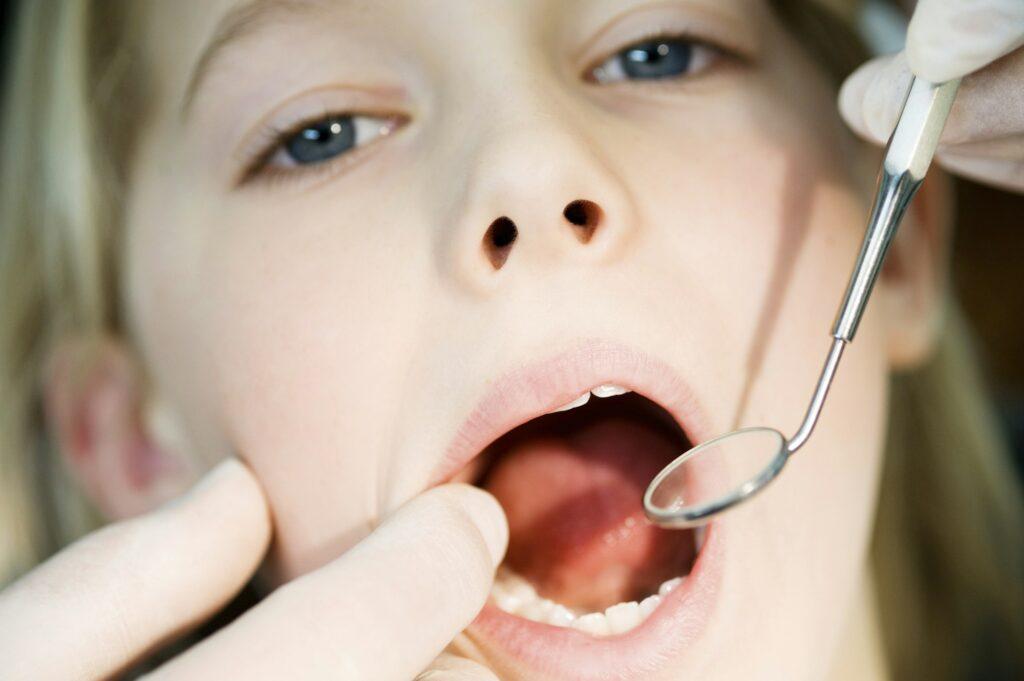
(988,278)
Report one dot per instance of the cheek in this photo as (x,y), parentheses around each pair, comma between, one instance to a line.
(311,344)
(810,531)
(772,229)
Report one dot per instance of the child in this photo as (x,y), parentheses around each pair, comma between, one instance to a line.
(361,251)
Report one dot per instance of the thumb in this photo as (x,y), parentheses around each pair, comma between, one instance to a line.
(948,39)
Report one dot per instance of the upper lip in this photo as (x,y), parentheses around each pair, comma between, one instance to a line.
(541,386)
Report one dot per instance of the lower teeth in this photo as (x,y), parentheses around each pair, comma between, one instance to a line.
(516,596)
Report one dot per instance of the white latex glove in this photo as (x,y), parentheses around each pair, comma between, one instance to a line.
(385,610)
(984,136)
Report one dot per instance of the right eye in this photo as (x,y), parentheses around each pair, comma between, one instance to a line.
(327,138)
(317,142)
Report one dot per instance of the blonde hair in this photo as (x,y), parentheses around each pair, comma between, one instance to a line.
(947,489)
(59,210)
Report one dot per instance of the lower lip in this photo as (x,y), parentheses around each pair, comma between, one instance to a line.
(545,650)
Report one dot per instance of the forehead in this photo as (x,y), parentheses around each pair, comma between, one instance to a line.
(186,35)
(273,44)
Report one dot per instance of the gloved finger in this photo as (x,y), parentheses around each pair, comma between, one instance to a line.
(109,598)
(989,107)
(448,667)
(950,38)
(989,104)
(1005,173)
(871,98)
(984,136)
(382,611)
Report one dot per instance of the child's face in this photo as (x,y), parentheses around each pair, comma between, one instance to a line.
(337,323)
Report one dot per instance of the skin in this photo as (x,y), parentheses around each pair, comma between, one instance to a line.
(333,328)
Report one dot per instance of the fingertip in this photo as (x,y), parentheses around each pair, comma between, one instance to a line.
(230,495)
(885,96)
(851,97)
(870,98)
(484,511)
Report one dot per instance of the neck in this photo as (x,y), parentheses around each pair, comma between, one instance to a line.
(859,655)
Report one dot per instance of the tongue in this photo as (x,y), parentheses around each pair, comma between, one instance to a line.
(577,529)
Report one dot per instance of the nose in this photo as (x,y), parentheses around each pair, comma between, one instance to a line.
(582,216)
(536,200)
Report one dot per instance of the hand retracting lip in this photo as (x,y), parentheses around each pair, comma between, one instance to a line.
(743,462)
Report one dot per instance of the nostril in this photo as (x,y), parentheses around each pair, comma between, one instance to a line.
(585,216)
(498,241)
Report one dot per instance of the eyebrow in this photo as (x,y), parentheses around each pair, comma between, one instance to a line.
(242,21)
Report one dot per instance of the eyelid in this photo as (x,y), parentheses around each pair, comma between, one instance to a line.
(311,105)
(712,27)
(269,144)
(369,128)
(704,56)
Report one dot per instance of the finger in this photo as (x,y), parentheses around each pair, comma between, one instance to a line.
(988,106)
(107,599)
(382,611)
(871,98)
(948,39)
(449,667)
(1004,173)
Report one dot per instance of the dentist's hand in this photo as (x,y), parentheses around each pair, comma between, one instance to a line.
(980,40)
(386,609)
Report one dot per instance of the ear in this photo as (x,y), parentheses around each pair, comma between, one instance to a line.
(106,429)
(914,280)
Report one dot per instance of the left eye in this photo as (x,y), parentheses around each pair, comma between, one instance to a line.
(327,138)
(653,59)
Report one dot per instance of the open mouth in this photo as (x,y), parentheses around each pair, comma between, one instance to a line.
(581,553)
(589,589)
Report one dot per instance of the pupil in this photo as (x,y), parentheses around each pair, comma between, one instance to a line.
(322,140)
(657,59)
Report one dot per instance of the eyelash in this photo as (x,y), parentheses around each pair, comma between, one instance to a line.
(271,139)
(715,51)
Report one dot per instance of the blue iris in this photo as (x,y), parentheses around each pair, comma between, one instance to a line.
(658,58)
(322,140)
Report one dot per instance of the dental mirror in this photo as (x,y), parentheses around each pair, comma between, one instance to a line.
(721,473)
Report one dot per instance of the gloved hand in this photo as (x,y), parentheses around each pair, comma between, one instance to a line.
(984,136)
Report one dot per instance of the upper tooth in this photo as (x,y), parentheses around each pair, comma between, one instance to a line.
(608,390)
(578,402)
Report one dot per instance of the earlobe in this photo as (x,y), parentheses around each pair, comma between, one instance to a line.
(914,281)
(100,418)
